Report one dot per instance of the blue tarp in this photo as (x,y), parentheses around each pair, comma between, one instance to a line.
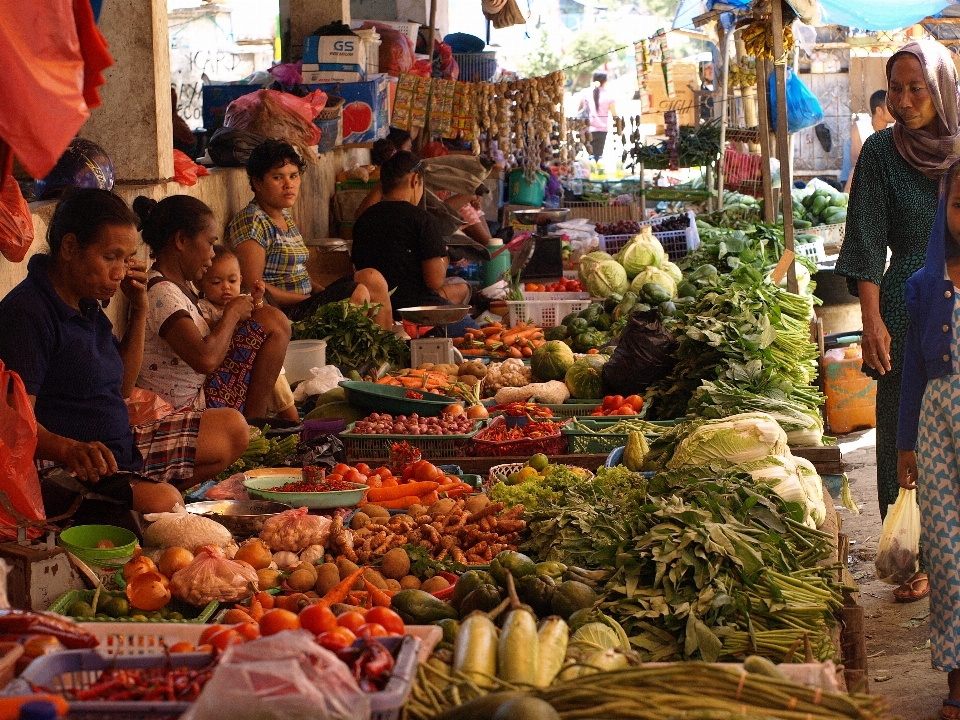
(861,14)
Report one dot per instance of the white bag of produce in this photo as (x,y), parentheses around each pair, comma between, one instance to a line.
(898,554)
(325,378)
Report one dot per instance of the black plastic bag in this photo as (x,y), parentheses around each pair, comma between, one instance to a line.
(643,356)
(230,147)
(322,451)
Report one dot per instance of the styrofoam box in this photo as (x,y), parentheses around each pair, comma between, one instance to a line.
(410,29)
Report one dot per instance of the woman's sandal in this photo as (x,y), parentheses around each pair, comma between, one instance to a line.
(951,704)
(912,594)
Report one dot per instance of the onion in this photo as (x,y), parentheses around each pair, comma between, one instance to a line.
(148,591)
(476,412)
(137,564)
(173,559)
(255,553)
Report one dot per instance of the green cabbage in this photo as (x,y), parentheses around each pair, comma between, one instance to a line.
(654,275)
(606,278)
(643,251)
(735,439)
(673,271)
(589,260)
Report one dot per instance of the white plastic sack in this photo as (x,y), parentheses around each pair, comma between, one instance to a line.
(325,378)
(898,554)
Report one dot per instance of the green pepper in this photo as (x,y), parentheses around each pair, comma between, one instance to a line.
(537,591)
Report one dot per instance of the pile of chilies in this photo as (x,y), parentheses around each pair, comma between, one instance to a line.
(160,684)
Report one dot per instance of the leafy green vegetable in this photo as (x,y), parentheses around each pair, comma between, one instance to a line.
(353,338)
(537,490)
(424,566)
(736,439)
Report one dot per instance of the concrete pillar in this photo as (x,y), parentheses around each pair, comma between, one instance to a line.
(134,123)
(299,18)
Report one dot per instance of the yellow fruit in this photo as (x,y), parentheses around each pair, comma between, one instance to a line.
(527,473)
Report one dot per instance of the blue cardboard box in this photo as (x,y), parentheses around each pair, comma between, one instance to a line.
(365,109)
(215,101)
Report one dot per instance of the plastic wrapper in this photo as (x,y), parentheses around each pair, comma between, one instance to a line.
(185,170)
(230,489)
(643,356)
(803,108)
(27,622)
(287,676)
(16,224)
(323,451)
(323,379)
(280,116)
(231,147)
(211,576)
(18,442)
(295,530)
(147,407)
(183,529)
(396,50)
(898,552)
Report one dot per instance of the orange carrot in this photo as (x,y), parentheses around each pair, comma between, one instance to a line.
(256,609)
(266,600)
(388,493)
(378,596)
(491,330)
(339,591)
(429,498)
(389,482)
(356,597)
(401,503)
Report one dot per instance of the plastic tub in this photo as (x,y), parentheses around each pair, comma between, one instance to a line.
(82,541)
(851,395)
(527,192)
(302,355)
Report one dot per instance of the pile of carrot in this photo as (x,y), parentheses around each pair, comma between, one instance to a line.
(395,493)
(414,379)
(517,342)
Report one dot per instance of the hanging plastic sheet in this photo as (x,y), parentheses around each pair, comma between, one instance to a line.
(878,15)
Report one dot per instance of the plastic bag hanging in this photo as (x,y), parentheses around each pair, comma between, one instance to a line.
(898,553)
(18,443)
(803,108)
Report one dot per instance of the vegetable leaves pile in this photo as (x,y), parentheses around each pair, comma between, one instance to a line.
(353,338)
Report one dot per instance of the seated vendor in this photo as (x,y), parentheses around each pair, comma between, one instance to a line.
(55,334)
(271,249)
(403,241)
(186,362)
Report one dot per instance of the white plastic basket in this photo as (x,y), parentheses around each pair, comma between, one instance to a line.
(677,243)
(125,638)
(545,313)
(812,250)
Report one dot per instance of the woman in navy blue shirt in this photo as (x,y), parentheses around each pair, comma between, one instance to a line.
(55,335)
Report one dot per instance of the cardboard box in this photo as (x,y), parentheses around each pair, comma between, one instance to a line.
(685,80)
(336,53)
(365,110)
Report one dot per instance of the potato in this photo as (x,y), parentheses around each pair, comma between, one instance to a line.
(409,582)
(470,380)
(476,503)
(375,511)
(416,510)
(359,521)
(327,577)
(301,580)
(442,507)
(375,578)
(310,568)
(434,584)
(395,564)
(393,585)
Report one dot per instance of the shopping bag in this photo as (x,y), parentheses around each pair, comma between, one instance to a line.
(803,108)
(147,407)
(16,224)
(898,554)
(18,443)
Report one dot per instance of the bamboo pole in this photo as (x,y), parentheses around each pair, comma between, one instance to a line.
(763,122)
(783,137)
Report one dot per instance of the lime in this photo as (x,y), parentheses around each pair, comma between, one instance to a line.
(117,607)
(139,618)
(514,478)
(174,616)
(80,609)
(538,462)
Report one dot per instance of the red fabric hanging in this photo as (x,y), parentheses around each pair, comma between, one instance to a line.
(52,55)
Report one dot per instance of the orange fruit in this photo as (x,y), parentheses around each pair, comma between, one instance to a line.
(209,632)
(317,619)
(248,630)
(352,620)
(371,630)
(182,647)
(278,620)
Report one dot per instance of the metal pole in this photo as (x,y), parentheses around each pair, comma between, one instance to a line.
(783,137)
(724,38)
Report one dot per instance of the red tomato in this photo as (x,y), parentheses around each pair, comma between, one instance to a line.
(616,402)
(371,630)
(427,472)
(530,287)
(362,468)
(624,410)
(278,620)
(354,476)
(387,618)
(317,619)
(351,620)
(224,639)
(336,639)
(634,401)
(405,475)
(608,402)
(340,468)
(334,476)
(248,630)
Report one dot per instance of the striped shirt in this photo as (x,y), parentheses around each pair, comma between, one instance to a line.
(285,265)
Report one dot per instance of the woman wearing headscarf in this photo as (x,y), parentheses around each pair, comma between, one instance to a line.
(893,202)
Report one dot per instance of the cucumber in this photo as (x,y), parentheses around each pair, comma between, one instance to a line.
(552,639)
(423,607)
(801,223)
(475,649)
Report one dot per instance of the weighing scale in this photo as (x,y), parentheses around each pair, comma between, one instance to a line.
(541,256)
(433,350)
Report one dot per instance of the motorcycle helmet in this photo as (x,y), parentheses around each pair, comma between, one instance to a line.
(83,164)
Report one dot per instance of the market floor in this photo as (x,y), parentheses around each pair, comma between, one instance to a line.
(898,647)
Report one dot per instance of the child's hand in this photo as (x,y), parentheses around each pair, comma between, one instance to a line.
(241,308)
(256,292)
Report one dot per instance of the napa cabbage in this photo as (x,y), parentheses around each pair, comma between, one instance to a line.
(735,439)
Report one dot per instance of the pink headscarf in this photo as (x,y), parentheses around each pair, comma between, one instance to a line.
(931,154)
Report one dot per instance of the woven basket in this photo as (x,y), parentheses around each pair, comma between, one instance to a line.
(333,108)
(508,468)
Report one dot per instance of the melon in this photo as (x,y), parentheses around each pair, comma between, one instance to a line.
(551,360)
(584,378)
(357,118)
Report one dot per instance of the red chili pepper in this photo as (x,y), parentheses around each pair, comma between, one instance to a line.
(413,395)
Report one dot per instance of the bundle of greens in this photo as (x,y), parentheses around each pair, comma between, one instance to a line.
(353,338)
(696,147)
(262,451)
(704,564)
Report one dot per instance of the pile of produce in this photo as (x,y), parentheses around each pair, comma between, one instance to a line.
(517,342)
(414,424)
(561,285)
(353,338)
(619,405)
(823,206)
(262,451)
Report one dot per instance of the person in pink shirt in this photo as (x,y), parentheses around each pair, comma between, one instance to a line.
(599,105)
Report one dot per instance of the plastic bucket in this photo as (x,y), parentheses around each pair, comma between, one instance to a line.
(527,192)
(82,541)
(302,355)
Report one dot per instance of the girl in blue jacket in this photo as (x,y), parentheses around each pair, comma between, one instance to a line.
(928,431)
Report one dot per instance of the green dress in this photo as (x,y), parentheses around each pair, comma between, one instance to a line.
(892,205)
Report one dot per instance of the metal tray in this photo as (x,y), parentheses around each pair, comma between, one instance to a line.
(434,314)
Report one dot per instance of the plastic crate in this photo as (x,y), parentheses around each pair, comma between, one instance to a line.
(388,703)
(599,211)
(410,29)
(377,447)
(812,250)
(546,310)
(73,670)
(477,67)
(122,638)
(191,614)
(594,441)
(832,235)
(676,243)
(550,445)
(572,410)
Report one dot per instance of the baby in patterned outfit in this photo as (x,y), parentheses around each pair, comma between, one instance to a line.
(221,284)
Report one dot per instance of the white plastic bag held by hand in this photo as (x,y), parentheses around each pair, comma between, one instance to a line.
(325,378)
(286,676)
(898,554)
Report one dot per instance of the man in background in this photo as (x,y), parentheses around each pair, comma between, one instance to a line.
(863,128)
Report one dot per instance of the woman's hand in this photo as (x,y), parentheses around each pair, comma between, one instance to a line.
(134,285)
(907,469)
(876,344)
(88,461)
(316,287)
(240,308)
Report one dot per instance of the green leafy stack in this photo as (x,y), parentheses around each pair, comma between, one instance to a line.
(353,338)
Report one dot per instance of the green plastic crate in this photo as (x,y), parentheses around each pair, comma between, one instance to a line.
(191,614)
(377,447)
(574,409)
(595,441)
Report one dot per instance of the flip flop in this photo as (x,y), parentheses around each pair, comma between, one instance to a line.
(950,703)
(914,594)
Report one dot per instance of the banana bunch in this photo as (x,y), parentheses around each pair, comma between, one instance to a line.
(744,73)
(758,39)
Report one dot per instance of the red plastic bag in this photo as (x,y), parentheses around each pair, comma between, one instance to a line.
(396,49)
(278,115)
(16,224)
(147,407)
(18,443)
(185,170)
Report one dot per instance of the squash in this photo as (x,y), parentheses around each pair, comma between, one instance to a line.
(584,378)
(551,360)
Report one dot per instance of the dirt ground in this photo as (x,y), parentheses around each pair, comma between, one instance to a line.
(898,646)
